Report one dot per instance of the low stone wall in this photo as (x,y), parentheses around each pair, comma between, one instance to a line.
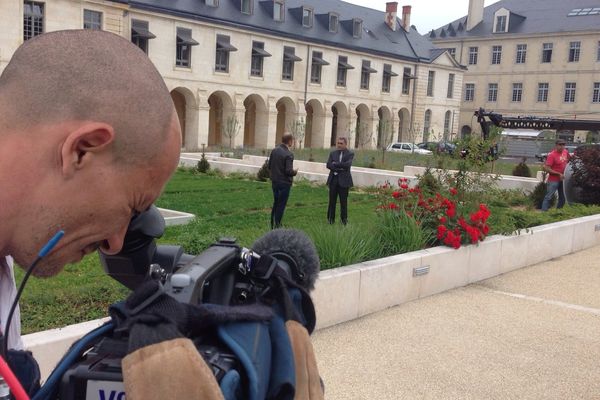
(346,293)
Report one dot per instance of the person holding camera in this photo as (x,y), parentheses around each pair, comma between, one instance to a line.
(89,137)
(339,180)
(281,165)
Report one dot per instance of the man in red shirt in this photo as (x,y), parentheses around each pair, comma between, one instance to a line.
(555,165)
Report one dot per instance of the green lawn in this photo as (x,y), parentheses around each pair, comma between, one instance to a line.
(234,207)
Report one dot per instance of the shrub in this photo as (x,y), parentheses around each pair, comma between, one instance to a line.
(539,192)
(586,174)
(398,233)
(428,182)
(203,166)
(343,245)
(264,173)
(521,169)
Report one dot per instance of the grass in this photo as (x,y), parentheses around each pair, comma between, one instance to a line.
(240,207)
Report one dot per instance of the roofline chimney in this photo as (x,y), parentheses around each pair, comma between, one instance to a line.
(406,17)
(391,12)
(475,15)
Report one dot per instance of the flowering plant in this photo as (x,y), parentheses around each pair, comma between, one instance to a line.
(452,222)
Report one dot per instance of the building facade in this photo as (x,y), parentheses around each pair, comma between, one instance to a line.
(243,72)
(534,57)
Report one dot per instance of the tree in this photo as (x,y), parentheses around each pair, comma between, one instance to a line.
(384,130)
(232,129)
(298,130)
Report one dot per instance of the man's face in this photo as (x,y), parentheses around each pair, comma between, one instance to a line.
(96,208)
(341,144)
(560,147)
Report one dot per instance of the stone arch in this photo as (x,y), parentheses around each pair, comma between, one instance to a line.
(286,115)
(384,127)
(256,121)
(363,129)
(185,106)
(404,125)
(340,124)
(221,108)
(315,124)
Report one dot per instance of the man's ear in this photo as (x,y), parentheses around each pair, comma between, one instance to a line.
(83,143)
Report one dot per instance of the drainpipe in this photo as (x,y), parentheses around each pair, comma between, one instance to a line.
(306,74)
(414,99)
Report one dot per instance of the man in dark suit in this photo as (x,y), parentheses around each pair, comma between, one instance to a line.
(340,179)
(281,165)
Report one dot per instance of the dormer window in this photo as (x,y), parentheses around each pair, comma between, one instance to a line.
(278,11)
(212,3)
(501,23)
(307,17)
(334,20)
(357,28)
(246,7)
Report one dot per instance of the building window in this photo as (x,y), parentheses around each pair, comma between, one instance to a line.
(447,117)
(333,22)
(470,92)
(574,51)
(307,17)
(492,92)
(596,93)
(278,11)
(212,3)
(452,52)
(521,53)
(357,28)
(517,92)
(365,74)
(547,52)
(501,23)
(496,55)
(183,56)
(316,66)
(386,83)
(33,19)
(246,6)
(473,51)
(289,58)
(92,20)
(140,34)
(543,92)
(450,86)
(223,48)
(426,125)
(406,76)
(342,71)
(570,88)
(430,83)
(258,56)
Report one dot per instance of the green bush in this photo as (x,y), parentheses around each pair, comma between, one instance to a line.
(521,169)
(343,245)
(537,196)
(428,182)
(264,173)
(203,166)
(398,233)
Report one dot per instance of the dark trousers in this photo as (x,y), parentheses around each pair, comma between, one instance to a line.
(281,193)
(336,190)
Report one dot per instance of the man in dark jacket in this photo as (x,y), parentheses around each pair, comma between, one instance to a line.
(339,180)
(281,165)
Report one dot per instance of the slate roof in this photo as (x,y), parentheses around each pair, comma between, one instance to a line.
(376,38)
(527,17)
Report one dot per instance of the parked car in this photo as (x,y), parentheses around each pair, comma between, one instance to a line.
(442,147)
(403,147)
(542,156)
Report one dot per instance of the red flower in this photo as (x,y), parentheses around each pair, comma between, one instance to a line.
(451,212)
(443,220)
(441,231)
(404,186)
(453,191)
(396,195)
(393,206)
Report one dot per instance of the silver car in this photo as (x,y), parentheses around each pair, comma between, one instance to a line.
(404,147)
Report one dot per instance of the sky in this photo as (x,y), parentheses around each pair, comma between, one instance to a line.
(426,14)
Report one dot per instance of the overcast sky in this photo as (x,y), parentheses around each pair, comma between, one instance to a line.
(426,14)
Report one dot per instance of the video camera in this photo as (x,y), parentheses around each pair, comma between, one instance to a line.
(224,274)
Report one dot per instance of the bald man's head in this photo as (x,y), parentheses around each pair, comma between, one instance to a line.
(86,75)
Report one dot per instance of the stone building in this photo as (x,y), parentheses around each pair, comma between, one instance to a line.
(534,57)
(242,72)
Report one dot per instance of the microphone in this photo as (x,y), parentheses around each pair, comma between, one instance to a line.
(296,250)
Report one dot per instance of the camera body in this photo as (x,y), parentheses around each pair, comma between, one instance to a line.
(224,274)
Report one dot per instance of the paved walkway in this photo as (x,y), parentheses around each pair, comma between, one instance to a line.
(530,334)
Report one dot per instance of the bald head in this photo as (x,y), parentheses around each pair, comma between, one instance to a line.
(88,75)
